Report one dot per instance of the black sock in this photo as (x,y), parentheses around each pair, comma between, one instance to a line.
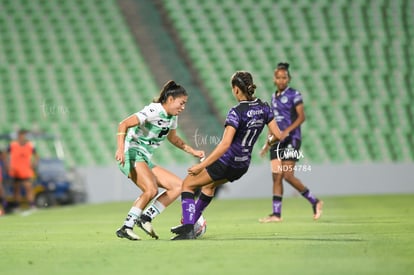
(145,218)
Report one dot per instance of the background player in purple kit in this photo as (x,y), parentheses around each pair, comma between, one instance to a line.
(287,105)
(230,160)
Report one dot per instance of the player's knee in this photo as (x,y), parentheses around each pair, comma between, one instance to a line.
(154,192)
(150,192)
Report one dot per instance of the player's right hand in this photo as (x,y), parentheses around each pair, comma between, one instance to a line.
(120,157)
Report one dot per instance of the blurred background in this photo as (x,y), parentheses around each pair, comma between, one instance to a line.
(74,69)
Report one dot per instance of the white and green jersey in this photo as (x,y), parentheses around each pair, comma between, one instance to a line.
(154,125)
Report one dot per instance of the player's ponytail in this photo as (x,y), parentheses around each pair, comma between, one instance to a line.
(170,89)
(244,81)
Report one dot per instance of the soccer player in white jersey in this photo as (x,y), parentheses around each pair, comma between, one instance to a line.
(139,135)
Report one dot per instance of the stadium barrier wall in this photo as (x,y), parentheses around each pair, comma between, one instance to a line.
(107,184)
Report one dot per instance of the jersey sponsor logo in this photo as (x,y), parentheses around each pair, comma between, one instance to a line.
(243,158)
(164,131)
(161,122)
(143,113)
(252,113)
(255,123)
(164,123)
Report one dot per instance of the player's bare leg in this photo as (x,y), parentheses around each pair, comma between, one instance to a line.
(289,176)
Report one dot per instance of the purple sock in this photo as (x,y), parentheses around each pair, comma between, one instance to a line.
(188,207)
(277,206)
(311,198)
(201,204)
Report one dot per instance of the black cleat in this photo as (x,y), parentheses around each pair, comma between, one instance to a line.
(179,229)
(184,232)
(185,236)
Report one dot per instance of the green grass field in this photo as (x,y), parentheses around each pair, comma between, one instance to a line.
(356,235)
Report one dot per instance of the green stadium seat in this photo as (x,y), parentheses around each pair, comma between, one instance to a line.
(62,68)
(341,54)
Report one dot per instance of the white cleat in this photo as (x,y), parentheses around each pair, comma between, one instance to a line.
(128,233)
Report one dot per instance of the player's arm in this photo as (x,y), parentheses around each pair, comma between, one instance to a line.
(298,121)
(220,149)
(123,126)
(273,136)
(275,133)
(179,143)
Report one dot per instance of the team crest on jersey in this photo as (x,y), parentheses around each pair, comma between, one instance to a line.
(284,99)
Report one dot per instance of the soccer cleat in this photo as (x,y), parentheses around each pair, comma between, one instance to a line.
(270,218)
(200,227)
(186,232)
(126,232)
(179,229)
(317,209)
(147,227)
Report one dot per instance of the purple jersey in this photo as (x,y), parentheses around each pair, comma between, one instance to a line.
(284,110)
(249,119)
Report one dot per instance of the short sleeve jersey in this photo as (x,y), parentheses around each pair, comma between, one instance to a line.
(249,119)
(284,110)
(153,128)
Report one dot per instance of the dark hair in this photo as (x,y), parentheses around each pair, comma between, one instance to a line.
(283,66)
(170,89)
(22,131)
(244,81)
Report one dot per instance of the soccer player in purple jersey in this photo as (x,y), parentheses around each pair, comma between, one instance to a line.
(230,160)
(287,105)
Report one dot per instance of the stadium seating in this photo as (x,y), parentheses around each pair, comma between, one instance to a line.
(350,59)
(71,68)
